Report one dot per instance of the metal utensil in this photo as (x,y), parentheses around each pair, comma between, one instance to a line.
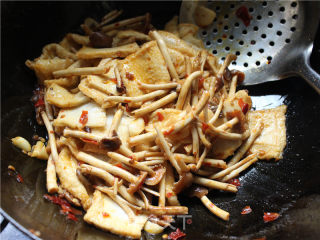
(277,43)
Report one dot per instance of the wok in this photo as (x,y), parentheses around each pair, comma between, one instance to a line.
(290,186)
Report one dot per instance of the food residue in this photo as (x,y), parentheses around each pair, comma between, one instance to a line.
(13,173)
(235,182)
(176,235)
(246,210)
(66,208)
(243,14)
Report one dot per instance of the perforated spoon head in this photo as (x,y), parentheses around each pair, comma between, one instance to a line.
(276,44)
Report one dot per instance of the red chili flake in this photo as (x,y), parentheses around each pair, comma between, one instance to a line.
(160,116)
(19,178)
(243,14)
(176,235)
(200,83)
(224,35)
(114,80)
(270,216)
(204,127)
(119,165)
(130,76)
(89,141)
(80,162)
(72,217)
(235,182)
(262,238)
(246,210)
(64,205)
(39,103)
(128,108)
(244,106)
(127,101)
(51,131)
(208,164)
(13,173)
(62,116)
(145,119)
(169,194)
(105,215)
(167,132)
(84,117)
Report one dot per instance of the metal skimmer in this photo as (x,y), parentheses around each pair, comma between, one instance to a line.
(277,43)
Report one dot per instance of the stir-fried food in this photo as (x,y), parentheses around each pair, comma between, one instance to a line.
(135,116)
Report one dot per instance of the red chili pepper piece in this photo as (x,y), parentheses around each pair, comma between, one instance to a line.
(105,215)
(169,194)
(243,14)
(72,217)
(89,141)
(235,182)
(204,127)
(270,216)
(160,116)
(200,83)
(84,117)
(19,178)
(130,76)
(65,206)
(177,234)
(166,133)
(114,80)
(246,210)
(119,165)
(244,106)
(39,103)
(145,119)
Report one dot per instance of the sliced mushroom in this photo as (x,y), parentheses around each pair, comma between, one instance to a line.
(185,181)
(156,178)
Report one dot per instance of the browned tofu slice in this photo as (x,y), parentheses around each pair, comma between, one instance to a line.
(272,140)
(146,65)
(104,213)
(66,168)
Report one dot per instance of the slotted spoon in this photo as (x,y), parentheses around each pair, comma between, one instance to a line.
(277,43)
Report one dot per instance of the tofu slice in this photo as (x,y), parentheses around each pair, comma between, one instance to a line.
(223,148)
(170,117)
(272,140)
(104,213)
(96,95)
(66,168)
(146,65)
(61,97)
(70,117)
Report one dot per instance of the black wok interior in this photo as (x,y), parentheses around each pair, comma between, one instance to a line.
(290,186)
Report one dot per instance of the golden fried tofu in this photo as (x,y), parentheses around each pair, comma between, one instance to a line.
(272,140)
(174,42)
(66,168)
(44,68)
(223,148)
(61,97)
(96,117)
(104,213)
(146,65)
(167,117)
(93,93)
